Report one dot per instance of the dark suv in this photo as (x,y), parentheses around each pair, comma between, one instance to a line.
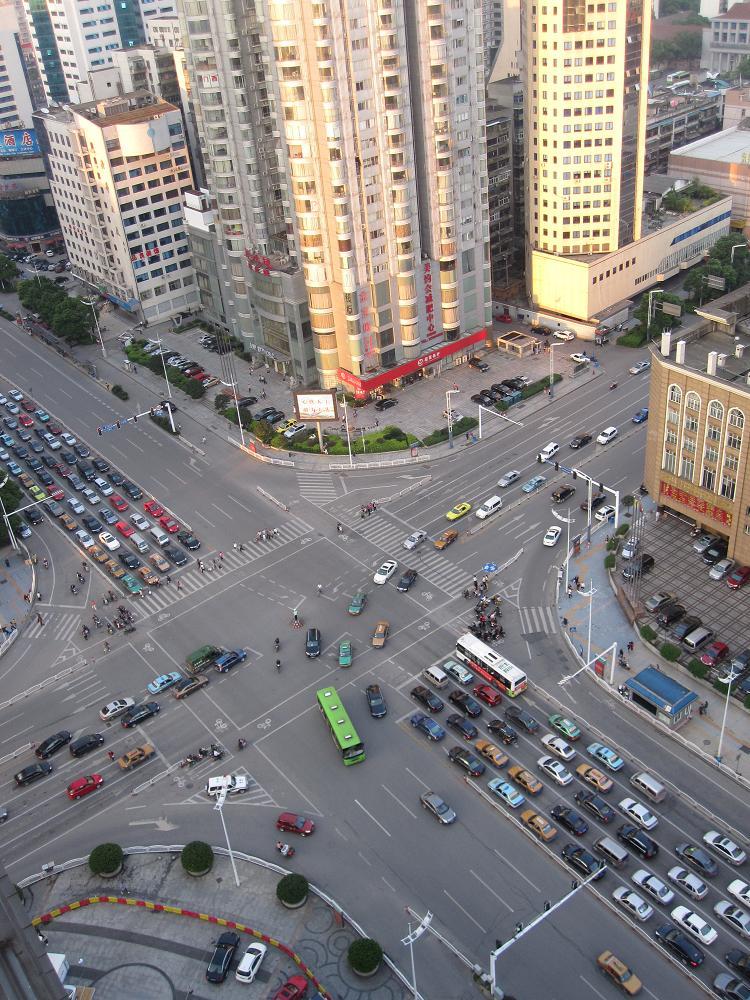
(638,841)
(514,713)
(312,642)
(85,744)
(222,957)
(638,566)
(582,860)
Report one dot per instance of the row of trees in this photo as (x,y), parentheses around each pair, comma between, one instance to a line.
(70,318)
(12,497)
(720,263)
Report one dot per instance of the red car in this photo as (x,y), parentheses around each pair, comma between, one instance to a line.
(82,786)
(169,524)
(200,376)
(54,429)
(293,823)
(488,695)
(118,503)
(505,318)
(28,406)
(153,508)
(25,420)
(125,529)
(293,989)
(55,493)
(738,577)
(64,471)
(715,653)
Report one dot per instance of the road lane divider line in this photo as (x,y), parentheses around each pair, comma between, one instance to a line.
(375,821)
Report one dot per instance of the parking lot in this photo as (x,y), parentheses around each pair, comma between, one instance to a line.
(681,572)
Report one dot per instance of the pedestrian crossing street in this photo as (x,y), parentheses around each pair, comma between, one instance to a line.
(535,620)
(60,625)
(431,565)
(192,580)
(317,487)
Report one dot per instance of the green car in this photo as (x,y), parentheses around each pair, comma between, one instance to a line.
(345,654)
(358,602)
(132,585)
(565,726)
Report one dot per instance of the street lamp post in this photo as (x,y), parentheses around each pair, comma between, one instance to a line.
(737,246)
(590,594)
(233,387)
(409,940)
(567,521)
(728,681)
(348,435)
(654,291)
(551,391)
(448,394)
(11,534)
(220,800)
(90,302)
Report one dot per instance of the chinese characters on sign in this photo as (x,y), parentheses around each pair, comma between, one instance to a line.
(150,252)
(697,504)
(316,405)
(428,302)
(19,142)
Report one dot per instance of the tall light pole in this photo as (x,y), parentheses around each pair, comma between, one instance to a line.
(348,435)
(551,372)
(220,800)
(728,681)
(654,291)
(590,594)
(90,302)
(567,521)
(233,387)
(409,940)
(737,246)
(449,408)
(11,535)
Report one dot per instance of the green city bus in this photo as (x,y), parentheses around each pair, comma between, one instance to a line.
(349,745)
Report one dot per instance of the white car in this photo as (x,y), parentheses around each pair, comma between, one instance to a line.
(69,439)
(558,746)
(16,394)
(694,924)
(85,539)
(653,886)
(508,478)
(232,784)
(564,335)
(458,671)
(607,435)
(580,359)
(115,708)
(250,962)
(642,366)
(103,486)
(552,536)
(75,505)
(109,541)
(633,903)
(93,498)
(141,523)
(415,538)
(737,919)
(688,882)
(555,770)
(386,571)
(724,847)
(720,569)
(294,430)
(740,890)
(630,548)
(604,513)
(640,815)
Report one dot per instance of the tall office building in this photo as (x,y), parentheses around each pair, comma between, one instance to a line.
(346,155)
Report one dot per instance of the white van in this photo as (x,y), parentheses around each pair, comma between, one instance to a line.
(162,538)
(607,435)
(139,541)
(549,450)
(435,676)
(649,786)
(489,507)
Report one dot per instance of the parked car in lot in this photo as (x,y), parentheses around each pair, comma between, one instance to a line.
(428,726)
(514,713)
(466,759)
(687,882)
(738,577)
(583,861)
(721,569)
(715,653)
(654,886)
(679,945)
(638,566)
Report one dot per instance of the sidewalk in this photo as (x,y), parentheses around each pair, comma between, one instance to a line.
(609,625)
(147,934)
(16,579)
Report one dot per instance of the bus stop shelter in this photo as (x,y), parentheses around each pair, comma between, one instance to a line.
(667,699)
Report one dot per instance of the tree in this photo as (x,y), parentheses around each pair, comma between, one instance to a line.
(734,268)
(659,320)
(8,272)
(12,497)
(72,320)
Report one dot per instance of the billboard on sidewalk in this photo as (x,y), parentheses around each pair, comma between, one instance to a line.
(316,405)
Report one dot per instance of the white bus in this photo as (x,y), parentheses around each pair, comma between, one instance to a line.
(493,667)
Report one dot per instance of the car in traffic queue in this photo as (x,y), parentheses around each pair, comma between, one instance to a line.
(228,659)
(538,825)
(595,804)
(380,634)
(357,603)
(427,698)
(406,579)
(491,753)
(567,817)
(459,511)
(163,682)
(462,726)
(375,701)
(188,685)
(458,672)
(523,777)
(463,701)
(82,786)
(605,755)
(534,484)
(507,792)
(445,539)
(485,693)
(139,713)
(385,572)
(566,726)
(463,757)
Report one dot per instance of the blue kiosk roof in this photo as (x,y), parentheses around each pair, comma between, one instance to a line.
(665,692)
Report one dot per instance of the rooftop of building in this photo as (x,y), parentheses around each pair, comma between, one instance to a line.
(656,687)
(737,96)
(730,146)
(663,29)
(661,183)
(722,352)
(138,106)
(737,12)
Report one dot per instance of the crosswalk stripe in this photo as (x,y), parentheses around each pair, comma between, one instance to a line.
(539,619)
(317,487)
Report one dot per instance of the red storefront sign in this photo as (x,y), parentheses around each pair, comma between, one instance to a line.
(362,385)
(696,504)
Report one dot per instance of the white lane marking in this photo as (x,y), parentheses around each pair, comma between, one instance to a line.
(178,478)
(235,500)
(465,912)
(375,821)
(397,799)
(416,778)
(216,507)
(490,890)
(592,987)
(203,518)
(160,484)
(516,870)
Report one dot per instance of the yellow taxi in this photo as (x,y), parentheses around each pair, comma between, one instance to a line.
(148,576)
(380,634)
(114,569)
(528,781)
(159,562)
(444,540)
(491,753)
(98,554)
(67,522)
(595,777)
(458,511)
(538,825)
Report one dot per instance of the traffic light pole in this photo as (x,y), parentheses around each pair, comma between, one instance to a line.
(521,930)
(122,421)
(578,474)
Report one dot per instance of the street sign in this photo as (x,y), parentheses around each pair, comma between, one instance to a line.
(489,567)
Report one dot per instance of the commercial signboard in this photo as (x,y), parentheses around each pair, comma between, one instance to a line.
(315,405)
(19,142)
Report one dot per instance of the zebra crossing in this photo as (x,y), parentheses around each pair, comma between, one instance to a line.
(431,565)
(535,620)
(62,626)
(255,795)
(317,487)
(192,580)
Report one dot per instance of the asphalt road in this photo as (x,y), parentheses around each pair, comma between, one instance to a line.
(374,849)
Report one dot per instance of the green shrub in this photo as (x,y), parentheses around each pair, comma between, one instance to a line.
(106,859)
(364,955)
(117,390)
(263,431)
(194,388)
(613,544)
(221,401)
(164,423)
(622,529)
(609,561)
(670,652)
(292,889)
(197,857)
(697,669)
(634,338)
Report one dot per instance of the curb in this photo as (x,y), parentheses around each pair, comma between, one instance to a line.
(179,911)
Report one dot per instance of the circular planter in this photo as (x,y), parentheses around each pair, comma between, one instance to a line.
(197,858)
(106,860)
(365,957)
(292,891)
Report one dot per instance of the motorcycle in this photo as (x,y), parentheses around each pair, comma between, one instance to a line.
(285,850)
(613,385)
(241,743)
(129,629)
(276,645)
(73,589)
(97,621)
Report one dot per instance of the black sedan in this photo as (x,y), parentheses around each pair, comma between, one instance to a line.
(115,478)
(129,560)
(385,404)
(514,713)
(466,759)
(595,805)
(139,713)
(562,493)
(376,701)
(53,743)
(100,465)
(407,579)
(467,729)
(637,840)
(570,819)
(188,540)
(33,773)
(175,555)
(85,744)
(739,961)
(427,698)
(92,524)
(465,702)
(679,945)
(502,730)
(221,959)
(580,440)
(582,860)
(697,858)
(133,491)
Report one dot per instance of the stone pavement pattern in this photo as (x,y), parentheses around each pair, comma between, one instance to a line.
(127,951)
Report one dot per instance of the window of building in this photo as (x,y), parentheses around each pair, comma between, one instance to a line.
(693,401)
(728,485)
(687,468)
(675,394)
(708,479)
(691,423)
(669,462)
(736,418)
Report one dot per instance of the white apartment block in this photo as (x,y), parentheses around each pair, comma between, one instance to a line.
(15,100)
(164,32)
(118,172)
